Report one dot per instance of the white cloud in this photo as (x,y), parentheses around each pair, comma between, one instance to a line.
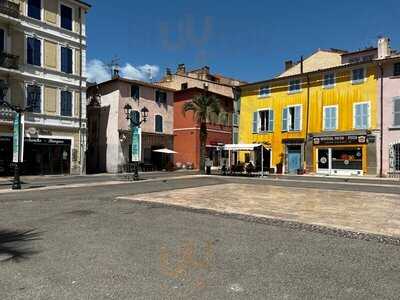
(98,71)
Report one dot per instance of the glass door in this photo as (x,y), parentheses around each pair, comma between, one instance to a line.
(323,164)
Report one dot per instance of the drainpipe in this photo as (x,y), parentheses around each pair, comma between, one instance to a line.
(81,141)
(381,123)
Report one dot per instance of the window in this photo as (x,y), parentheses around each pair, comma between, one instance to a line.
(161,97)
(357,75)
(396,112)
(34,9)
(291,118)
(294,86)
(265,91)
(159,124)
(2,38)
(265,120)
(329,80)
(396,69)
(66,17)
(361,116)
(34,52)
(184,86)
(135,92)
(34,97)
(66,60)
(66,103)
(330,118)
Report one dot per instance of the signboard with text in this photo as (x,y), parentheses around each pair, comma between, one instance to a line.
(136,144)
(340,140)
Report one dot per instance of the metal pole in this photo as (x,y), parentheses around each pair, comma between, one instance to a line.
(262,161)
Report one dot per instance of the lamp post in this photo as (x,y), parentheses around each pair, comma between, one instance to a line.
(135,121)
(18,139)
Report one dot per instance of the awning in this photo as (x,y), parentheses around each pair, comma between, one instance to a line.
(241,147)
(165,150)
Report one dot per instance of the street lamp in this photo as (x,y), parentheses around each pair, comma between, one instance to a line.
(135,121)
(18,139)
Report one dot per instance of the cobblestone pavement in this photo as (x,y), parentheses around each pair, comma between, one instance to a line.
(370,213)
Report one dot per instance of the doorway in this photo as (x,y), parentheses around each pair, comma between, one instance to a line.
(294,158)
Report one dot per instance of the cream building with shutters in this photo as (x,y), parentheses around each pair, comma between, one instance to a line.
(42,59)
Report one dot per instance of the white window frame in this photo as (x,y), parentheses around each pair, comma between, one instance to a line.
(329,86)
(301,118)
(354,114)
(259,120)
(358,81)
(155,123)
(59,16)
(41,12)
(324,115)
(41,50)
(264,95)
(295,91)
(41,95)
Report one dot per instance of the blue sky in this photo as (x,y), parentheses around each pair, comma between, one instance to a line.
(249,40)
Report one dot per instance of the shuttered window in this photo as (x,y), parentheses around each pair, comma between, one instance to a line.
(330,118)
(396,112)
(66,60)
(255,122)
(135,92)
(66,103)
(159,124)
(66,17)
(291,118)
(34,51)
(361,116)
(266,120)
(34,98)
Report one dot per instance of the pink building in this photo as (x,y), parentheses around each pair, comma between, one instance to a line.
(389,84)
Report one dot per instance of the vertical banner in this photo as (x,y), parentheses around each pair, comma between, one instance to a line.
(136,144)
(18,138)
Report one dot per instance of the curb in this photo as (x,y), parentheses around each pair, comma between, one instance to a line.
(292,225)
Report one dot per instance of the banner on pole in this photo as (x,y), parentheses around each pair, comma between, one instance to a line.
(18,138)
(136,144)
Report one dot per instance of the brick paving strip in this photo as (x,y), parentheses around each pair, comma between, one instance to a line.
(351,214)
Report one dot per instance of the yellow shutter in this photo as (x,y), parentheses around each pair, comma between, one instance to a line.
(50,11)
(50,100)
(50,55)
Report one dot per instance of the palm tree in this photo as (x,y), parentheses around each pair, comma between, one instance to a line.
(204,107)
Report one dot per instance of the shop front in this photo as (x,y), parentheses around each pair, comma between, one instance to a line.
(342,155)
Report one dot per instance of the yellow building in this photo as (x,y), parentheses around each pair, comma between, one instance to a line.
(321,121)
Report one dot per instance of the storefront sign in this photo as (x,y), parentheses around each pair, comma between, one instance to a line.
(136,144)
(18,138)
(48,141)
(340,140)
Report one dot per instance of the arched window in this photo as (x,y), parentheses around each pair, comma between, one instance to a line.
(159,123)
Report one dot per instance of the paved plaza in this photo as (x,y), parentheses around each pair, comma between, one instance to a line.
(348,210)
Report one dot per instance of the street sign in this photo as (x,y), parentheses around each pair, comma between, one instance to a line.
(136,144)
(18,138)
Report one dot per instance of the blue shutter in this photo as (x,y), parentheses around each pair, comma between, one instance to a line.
(2,40)
(37,52)
(285,119)
(159,123)
(334,115)
(66,60)
(66,103)
(34,9)
(66,17)
(255,122)
(297,117)
(271,120)
(34,98)
(29,50)
(396,111)
(358,117)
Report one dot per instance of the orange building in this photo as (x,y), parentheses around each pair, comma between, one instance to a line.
(187,130)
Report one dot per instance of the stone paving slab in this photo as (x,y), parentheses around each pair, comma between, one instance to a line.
(355,211)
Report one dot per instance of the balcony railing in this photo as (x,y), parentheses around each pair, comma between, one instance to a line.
(9,8)
(9,61)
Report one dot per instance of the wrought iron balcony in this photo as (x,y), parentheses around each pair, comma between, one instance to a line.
(9,8)
(9,61)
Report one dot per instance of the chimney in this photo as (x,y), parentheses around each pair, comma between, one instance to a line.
(288,64)
(181,70)
(206,70)
(384,47)
(168,74)
(115,72)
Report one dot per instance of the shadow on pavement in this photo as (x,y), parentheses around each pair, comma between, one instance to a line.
(14,244)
